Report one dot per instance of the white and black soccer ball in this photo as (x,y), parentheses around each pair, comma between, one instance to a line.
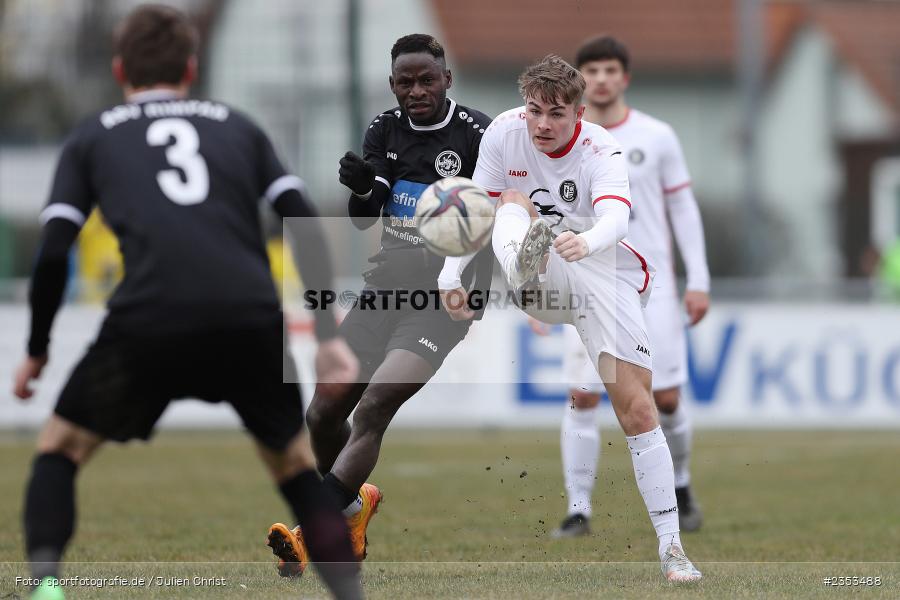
(455,216)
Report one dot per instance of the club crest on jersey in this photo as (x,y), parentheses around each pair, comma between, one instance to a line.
(636,156)
(568,191)
(448,163)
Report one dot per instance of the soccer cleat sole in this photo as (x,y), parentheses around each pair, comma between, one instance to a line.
(537,242)
(290,563)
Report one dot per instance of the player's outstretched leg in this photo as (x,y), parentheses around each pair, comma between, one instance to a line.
(629,390)
(676,424)
(400,376)
(580,449)
(50,499)
(520,238)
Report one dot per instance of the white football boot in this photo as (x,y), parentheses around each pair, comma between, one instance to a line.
(677,567)
(530,253)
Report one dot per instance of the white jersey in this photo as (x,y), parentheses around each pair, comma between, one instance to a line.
(563,186)
(656,167)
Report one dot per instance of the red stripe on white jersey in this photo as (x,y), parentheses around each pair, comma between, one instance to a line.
(565,150)
(672,190)
(494,194)
(611,197)
(643,267)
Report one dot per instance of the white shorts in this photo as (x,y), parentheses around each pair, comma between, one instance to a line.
(601,295)
(668,345)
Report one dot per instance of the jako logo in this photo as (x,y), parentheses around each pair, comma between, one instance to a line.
(513,173)
(392,155)
(428,344)
(643,350)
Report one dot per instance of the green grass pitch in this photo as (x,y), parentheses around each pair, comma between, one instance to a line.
(467,515)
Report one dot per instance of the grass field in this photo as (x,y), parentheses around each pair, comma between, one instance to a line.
(467,515)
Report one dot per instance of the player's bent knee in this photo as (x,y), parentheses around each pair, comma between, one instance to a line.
(295,458)
(584,400)
(60,436)
(666,400)
(640,418)
(514,197)
(322,415)
(373,415)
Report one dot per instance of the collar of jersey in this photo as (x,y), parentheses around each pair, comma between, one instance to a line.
(450,113)
(564,151)
(151,95)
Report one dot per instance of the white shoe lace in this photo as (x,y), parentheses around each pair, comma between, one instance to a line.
(677,562)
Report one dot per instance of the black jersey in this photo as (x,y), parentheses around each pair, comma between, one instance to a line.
(407,159)
(179,182)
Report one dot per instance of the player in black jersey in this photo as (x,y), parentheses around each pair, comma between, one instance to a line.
(197,314)
(426,137)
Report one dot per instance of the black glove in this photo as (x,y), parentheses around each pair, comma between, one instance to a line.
(357,174)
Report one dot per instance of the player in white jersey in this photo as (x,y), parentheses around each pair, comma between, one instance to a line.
(542,158)
(662,203)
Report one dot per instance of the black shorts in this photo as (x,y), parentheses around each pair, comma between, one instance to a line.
(124,382)
(373,332)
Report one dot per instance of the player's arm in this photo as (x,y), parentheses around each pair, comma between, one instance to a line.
(308,247)
(65,213)
(368,177)
(612,208)
(489,175)
(687,225)
(336,366)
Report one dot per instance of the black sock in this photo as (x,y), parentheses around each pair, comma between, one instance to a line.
(49,512)
(344,494)
(325,533)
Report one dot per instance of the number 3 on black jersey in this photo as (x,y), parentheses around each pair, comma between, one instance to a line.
(184,154)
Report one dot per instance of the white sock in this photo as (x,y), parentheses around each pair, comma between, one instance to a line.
(679,435)
(580,444)
(511,223)
(656,482)
(354,507)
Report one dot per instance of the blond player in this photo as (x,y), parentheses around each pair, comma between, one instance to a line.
(563,182)
(662,204)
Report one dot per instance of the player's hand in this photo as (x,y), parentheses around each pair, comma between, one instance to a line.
(570,247)
(28,371)
(357,174)
(538,327)
(456,303)
(337,368)
(696,304)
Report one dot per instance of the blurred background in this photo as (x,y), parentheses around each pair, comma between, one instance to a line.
(788,112)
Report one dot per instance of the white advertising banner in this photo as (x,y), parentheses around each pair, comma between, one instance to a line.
(750,365)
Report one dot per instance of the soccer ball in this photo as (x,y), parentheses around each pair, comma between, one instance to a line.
(455,216)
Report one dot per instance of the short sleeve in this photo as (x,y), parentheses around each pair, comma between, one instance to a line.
(673,168)
(374,150)
(489,172)
(71,195)
(609,177)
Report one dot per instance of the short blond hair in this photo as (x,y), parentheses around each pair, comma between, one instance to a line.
(552,80)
